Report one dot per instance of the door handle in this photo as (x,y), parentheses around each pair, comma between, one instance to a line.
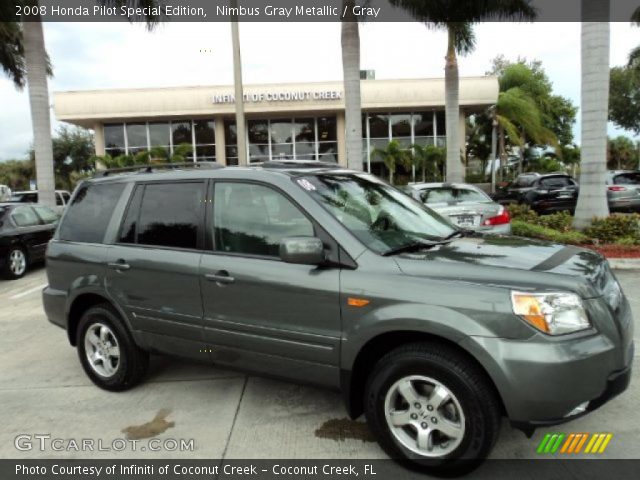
(119,265)
(221,277)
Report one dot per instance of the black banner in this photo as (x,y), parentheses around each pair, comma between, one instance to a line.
(547,469)
(289,10)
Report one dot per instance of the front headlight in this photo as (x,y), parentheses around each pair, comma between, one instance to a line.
(554,313)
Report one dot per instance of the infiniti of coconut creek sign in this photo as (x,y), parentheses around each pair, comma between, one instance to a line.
(280,96)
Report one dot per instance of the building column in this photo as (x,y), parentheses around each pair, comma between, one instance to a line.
(98,142)
(98,138)
(342,140)
(221,150)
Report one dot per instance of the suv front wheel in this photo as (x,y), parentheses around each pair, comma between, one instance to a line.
(107,350)
(429,405)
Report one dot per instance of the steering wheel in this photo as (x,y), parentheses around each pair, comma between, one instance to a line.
(383,223)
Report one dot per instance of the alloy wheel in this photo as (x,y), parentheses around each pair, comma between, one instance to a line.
(424,416)
(102,350)
(17,262)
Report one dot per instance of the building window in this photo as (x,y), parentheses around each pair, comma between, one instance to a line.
(231,142)
(114,139)
(204,134)
(291,138)
(422,128)
(160,136)
(131,138)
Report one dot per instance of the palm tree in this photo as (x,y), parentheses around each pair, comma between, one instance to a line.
(519,118)
(350,37)
(592,199)
(458,17)
(392,156)
(26,57)
(237,83)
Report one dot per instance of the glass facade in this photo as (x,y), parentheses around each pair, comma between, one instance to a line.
(131,138)
(312,138)
(268,139)
(419,128)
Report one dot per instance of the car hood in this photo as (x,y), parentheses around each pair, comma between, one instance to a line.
(513,262)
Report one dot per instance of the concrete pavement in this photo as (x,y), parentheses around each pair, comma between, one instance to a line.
(43,390)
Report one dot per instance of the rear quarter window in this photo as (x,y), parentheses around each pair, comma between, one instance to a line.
(89,213)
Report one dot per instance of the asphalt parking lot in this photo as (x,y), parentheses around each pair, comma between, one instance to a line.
(43,390)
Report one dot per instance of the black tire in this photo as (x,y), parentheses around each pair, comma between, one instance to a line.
(468,384)
(133,362)
(7,271)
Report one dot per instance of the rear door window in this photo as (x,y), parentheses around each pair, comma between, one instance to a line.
(89,214)
(170,215)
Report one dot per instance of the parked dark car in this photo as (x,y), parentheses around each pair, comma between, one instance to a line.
(25,231)
(623,190)
(548,193)
(318,274)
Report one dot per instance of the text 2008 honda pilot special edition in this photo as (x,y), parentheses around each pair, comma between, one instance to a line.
(318,274)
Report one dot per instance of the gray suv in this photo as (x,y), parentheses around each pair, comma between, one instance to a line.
(318,274)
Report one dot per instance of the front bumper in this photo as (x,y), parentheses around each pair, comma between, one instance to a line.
(543,379)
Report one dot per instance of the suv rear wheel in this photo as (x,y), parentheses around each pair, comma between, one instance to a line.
(107,350)
(429,405)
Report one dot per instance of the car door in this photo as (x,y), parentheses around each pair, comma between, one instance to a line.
(260,313)
(153,266)
(31,231)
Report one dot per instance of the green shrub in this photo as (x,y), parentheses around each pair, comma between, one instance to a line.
(628,241)
(560,221)
(615,227)
(524,229)
(522,212)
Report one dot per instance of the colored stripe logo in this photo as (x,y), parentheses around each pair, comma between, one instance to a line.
(574,443)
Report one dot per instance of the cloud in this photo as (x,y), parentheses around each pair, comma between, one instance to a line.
(119,55)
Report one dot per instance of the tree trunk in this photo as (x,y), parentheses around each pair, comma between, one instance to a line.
(592,199)
(351,73)
(36,60)
(494,154)
(503,153)
(239,93)
(521,153)
(453,170)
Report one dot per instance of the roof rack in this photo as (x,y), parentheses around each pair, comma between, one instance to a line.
(297,164)
(152,167)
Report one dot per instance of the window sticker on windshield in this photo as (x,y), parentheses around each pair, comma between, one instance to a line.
(306,184)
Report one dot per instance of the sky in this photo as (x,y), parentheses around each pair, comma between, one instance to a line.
(119,55)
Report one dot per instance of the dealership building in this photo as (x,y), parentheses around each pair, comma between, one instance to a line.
(284,121)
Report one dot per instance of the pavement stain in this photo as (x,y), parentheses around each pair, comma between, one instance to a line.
(155,427)
(341,429)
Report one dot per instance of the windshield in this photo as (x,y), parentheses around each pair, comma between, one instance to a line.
(380,216)
(452,195)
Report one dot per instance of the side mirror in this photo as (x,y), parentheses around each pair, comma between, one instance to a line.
(302,250)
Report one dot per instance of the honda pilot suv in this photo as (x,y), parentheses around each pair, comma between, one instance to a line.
(317,274)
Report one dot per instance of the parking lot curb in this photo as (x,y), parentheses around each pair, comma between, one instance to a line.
(624,263)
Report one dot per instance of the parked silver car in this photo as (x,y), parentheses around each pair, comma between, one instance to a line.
(465,205)
(623,190)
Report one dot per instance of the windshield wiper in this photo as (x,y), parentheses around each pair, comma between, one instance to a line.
(412,247)
(458,233)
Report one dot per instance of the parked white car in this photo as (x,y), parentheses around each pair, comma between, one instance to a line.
(31,196)
(5,193)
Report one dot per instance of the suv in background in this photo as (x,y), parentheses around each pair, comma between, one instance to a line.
(546,193)
(31,196)
(623,190)
(317,274)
